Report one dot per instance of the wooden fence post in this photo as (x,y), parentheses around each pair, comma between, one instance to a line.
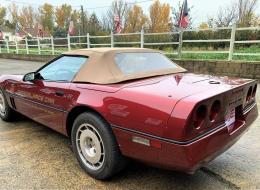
(142,38)
(232,42)
(52,45)
(68,38)
(180,43)
(26,45)
(88,40)
(112,39)
(16,46)
(7,45)
(39,45)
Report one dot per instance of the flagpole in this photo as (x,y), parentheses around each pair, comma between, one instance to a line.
(180,42)
(82,19)
(79,36)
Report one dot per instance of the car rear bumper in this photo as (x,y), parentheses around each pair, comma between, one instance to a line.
(184,157)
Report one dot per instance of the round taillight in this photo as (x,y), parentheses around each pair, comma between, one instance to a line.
(214,111)
(249,94)
(254,91)
(200,116)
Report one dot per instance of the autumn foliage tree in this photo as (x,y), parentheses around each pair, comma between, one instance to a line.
(46,16)
(160,20)
(2,15)
(203,25)
(63,15)
(26,17)
(136,19)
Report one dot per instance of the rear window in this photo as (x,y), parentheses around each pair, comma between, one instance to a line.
(135,63)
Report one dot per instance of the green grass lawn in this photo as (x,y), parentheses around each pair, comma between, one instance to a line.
(216,56)
(192,56)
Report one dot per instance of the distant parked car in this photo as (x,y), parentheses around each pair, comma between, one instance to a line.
(136,103)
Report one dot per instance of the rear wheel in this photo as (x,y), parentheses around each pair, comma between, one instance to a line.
(95,146)
(6,112)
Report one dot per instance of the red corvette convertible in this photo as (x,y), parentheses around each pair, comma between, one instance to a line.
(132,103)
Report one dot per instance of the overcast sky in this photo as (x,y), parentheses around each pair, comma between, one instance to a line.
(201,11)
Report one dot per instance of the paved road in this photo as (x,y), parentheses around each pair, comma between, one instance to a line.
(35,157)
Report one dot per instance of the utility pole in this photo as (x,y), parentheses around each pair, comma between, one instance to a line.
(83,19)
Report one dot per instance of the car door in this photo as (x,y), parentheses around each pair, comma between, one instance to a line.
(48,97)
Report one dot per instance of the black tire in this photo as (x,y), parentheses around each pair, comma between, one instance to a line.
(8,114)
(112,161)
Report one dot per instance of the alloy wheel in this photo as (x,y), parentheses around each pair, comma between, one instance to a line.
(90,146)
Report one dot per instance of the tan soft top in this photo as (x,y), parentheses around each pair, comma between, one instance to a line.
(101,68)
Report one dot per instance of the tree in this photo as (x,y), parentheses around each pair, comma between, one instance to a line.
(106,23)
(26,17)
(136,19)
(255,20)
(118,8)
(226,16)
(63,15)
(160,20)
(241,12)
(246,11)
(203,25)
(46,16)
(13,9)
(93,24)
(75,17)
(2,15)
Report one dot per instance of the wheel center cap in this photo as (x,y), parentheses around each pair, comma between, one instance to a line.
(90,146)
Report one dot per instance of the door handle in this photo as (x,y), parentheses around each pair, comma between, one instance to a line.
(59,93)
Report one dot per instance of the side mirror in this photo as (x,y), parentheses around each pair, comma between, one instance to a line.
(29,77)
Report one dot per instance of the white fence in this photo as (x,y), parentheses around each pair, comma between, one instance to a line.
(57,45)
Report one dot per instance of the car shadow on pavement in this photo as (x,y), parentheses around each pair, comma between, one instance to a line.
(46,158)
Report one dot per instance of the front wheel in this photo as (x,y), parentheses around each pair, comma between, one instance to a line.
(6,112)
(95,146)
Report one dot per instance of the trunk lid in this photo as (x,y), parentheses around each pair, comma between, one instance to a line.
(179,86)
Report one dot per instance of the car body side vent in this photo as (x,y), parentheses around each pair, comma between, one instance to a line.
(12,103)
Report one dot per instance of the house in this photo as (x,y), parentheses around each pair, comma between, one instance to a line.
(7,33)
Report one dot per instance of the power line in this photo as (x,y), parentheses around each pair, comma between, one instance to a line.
(129,3)
(33,4)
(88,8)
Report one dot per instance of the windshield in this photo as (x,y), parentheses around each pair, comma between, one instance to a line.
(136,63)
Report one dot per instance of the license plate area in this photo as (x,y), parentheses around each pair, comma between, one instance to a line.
(230,116)
(234,118)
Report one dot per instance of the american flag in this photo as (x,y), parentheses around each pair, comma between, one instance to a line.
(118,24)
(184,16)
(71,28)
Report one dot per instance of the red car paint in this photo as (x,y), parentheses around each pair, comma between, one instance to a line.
(157,109)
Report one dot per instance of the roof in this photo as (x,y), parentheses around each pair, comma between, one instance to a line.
(33,32)
(100,67)
(4,28)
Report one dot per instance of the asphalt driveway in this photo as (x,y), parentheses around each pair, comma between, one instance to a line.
(35,157)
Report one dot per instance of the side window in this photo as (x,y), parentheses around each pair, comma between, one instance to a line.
(62,69)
